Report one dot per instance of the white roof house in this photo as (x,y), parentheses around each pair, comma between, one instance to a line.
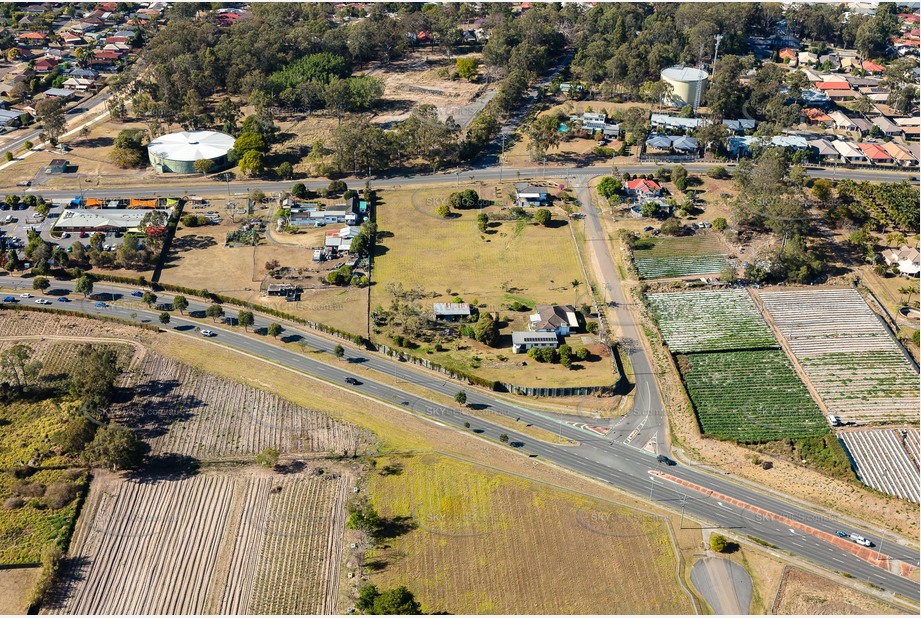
(849,153)
(842,122)
(122,219)
(908,260)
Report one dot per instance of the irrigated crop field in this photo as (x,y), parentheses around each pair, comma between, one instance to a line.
(751,396)
(886,459)
(484,542)
(853,362)
(661,258)
(213,543)
(710,321)
(193,413)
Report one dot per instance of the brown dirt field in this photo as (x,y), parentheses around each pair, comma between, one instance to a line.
(803,593)
(413,81)
(16,585)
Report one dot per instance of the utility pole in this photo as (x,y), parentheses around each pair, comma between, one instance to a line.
(684,500)
(501,157)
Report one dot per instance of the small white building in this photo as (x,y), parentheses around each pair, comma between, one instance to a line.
(522,341)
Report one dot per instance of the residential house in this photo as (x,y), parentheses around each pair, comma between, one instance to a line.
(833,85)
(875,153)
(11,118)
(889,128)
(842,95)
(659,141)
(907,259)
(31,39)
(816,116)
(850,63)
(45,65)
(289,291)
(72,39)
(676,123)
(522,341)
(805,57)
(788,53)
(911,127)
(342,213)
(643,187)
(684,143)
(841,121)
(900,154)
(84,73)
(598,122)
(78,84)
(848,152)
(59,93)
(341,240)
(740,126)
(822,149)
(789,142)
(872,67)
(528,195)
(863,125)
(559,319)
(814,98)
(451,312)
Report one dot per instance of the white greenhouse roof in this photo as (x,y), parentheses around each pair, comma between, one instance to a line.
(191,145)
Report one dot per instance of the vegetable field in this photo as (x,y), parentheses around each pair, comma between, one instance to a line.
(886,459)
(679,257)
(752,396)
(853,362)
(710,321)
(193,413)
(209,544)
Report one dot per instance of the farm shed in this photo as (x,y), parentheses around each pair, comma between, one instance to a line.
(522,341)
(451,312)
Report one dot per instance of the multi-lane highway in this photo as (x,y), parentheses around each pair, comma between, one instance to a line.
(609,461)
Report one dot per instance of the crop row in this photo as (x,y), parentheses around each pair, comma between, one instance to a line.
(710,321)
(751,396)
(882,461)
(856,366)
(679,266)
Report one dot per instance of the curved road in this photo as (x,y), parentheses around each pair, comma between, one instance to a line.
(620,465)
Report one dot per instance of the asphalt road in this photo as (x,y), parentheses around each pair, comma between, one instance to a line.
(573,174)
(72,115)
(611,462)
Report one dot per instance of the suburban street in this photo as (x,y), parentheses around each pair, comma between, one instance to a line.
(613,462)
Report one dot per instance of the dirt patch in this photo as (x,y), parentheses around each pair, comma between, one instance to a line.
(803,593)
(16,585)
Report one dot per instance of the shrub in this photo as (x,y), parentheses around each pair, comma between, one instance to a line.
(720,224)
(718,172)
(60,494)
(718,543)
(13,502)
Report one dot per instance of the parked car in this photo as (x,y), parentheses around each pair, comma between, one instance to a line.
(352,381)
(63,299)
(42,301)
(207,333)
(65,235)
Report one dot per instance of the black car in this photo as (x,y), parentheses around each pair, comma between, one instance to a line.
(665,460)
(352,381)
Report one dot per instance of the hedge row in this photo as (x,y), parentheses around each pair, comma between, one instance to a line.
(493,385)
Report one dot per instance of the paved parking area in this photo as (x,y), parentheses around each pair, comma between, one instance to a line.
(27,219)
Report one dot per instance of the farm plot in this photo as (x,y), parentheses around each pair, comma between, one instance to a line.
(752,396)
(147,548)
(886,459)
(190,412)
(678,257)
(216,543)
(853,362)
(710,321)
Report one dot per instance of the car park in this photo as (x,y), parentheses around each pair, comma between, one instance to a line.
(207,333)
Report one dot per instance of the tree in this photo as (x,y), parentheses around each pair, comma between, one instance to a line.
(719,543)
(543,134)
(50,113)
(93,379)
(180,303)
(274,330)
(542,216)
(338,351)
(396,601)
(649,209)
(119,449)
(671,227)
(41,283)
(366,595)
(486,330)
(726,96)
(503,438)
(248,142)
(129,150)
(467,68)
(482,220)
(164,317)
(252,163)
(203,166)
(245,319)
(299,190)
(443,210)
(268,457)
(908,290)
(822,191)
(84,285)
(609,187)
(720,224)
(75,435)
(214,311)
(284,170)
(17,366)
(461,397)
(148,298)
(680,177)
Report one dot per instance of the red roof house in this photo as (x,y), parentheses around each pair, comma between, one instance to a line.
(833,86)
(45,65)
(788,53)
(642,186)
(872,67)
(875,152)
(32,38)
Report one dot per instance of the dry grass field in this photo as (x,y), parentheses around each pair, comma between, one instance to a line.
(233,542)
(515,261)
(803,593)
(16,584)
(484,542)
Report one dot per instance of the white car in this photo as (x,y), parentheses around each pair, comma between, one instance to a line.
(42,301)
(860,540)
(25,295)
(207,333)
